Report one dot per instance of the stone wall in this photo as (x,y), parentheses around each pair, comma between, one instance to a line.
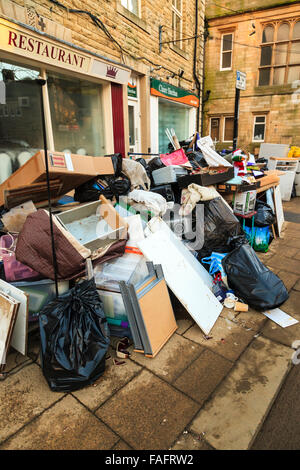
(280,104)
(138,36)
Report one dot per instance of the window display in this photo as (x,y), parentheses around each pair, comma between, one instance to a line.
(76,115)
(174,116)
(20,117)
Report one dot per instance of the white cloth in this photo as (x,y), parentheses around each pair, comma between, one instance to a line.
(136,173)
(148,200)
(193,194)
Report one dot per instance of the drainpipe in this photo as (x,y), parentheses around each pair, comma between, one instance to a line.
(198,84)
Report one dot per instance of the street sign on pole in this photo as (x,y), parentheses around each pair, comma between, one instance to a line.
(240,80)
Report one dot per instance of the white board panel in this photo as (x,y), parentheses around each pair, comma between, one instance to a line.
(278,209)
(273,150)
(182,278)
(156,224)
(19,337)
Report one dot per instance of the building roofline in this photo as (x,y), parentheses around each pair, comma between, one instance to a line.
(252,10)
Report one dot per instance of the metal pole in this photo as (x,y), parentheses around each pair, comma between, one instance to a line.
(42,82)
(236,118)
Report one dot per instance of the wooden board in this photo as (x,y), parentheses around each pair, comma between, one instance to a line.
(8,315)
(158,316)
(35,192)
(19,337)
(187,284)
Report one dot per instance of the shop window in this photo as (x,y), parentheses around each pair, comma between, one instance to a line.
(76,115)
(172,116)
(259,129)
(131,5)
(228,129)
(20,117)
(226,51)
(280,54)
(215,129)
(177,22)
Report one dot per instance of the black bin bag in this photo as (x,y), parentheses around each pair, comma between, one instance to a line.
(74,338)
(252,281)
(220,225)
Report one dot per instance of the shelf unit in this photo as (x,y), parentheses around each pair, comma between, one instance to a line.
(289,167)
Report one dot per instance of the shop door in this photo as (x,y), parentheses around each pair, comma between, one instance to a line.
(134,127)
(118,121)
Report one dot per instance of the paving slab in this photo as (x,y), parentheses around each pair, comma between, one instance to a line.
(188,441)
(67,425)
(201,378)
(289,279)
(121,445)
(14,360)
(183,325)
(227,338)
(290,240)
(292,304)
(231,419)
(23,396)
(281,263)
(148,413)
(297,285)
(251,320)
(281,429)
(284,336)
(172,359)
(114,377)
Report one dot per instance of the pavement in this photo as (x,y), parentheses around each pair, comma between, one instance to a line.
(236,390)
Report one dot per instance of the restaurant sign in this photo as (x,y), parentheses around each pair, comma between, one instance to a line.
(39,48)
(173,93)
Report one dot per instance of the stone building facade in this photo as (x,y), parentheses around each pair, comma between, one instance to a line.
(263,41)
(117,73)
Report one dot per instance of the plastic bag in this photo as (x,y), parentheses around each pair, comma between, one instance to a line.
(74,338)
(264,216)
(178,157)
(220,224)
(136,173)
(252,281)
(13,269)
(261,238)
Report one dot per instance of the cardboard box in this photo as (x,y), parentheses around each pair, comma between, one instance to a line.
(244,203)
(71,169)
(95,225)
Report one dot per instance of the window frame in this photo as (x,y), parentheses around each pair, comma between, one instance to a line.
(210,120)
(223,136)
(221,51)
(265,129)
(138,13)
(175,12)
(274,44)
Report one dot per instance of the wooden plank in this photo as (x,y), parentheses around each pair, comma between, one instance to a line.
(158,316)
(19,337)
(8,315)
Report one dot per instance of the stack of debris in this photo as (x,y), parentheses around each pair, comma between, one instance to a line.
(119,235)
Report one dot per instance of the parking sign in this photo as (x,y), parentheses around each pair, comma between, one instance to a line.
(240,80)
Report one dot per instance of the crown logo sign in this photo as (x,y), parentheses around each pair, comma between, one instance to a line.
(111,72)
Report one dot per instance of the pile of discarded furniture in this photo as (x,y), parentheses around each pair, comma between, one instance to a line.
(92,248)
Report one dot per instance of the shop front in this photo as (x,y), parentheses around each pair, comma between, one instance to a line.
(173,108)
(83,98)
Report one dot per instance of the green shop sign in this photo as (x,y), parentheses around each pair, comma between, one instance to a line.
(132,90)
(173,93)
